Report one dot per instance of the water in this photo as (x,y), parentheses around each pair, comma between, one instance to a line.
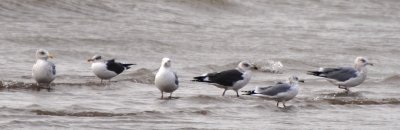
(199,36)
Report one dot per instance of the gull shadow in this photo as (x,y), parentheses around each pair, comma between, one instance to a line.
(49,89)
(290,108)
(169,98)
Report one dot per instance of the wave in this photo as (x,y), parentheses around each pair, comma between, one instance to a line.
(36,9)
(17,85)
(344,94)
(357,98)
(392,79)
(92,113)
(362,101)
(34,86)
(144,76)
(111,114)
(80,114)
(51,8)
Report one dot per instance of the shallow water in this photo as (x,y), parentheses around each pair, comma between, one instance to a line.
(199,36)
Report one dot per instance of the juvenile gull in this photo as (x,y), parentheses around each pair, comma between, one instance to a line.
(43,71)
(280,92)
(233,79)
(105,70)
(166,80)
(345,77)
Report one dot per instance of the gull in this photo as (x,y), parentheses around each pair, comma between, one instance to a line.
(233,79)
(43,71)
(105,70)
(166,80)
(280,92)
(345,77)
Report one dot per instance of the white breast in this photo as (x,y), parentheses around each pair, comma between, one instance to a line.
(165,80)
(241,83)
(42,72)
(100,70)
(288,95)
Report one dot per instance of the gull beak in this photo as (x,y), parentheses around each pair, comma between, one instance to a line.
(301,81)
(89,60)
(254,67)
(371,64)
(51,56)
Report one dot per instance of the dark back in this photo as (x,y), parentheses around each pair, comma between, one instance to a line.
(225,78)
(342,73)
(115,66)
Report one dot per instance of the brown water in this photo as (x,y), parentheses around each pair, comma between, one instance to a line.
(199,36)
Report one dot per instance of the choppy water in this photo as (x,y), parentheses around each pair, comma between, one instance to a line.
(199,36)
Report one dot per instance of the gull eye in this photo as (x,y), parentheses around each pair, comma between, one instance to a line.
(246,65)
(42,53)
(363,60)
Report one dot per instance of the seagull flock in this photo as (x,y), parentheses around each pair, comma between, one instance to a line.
(166,80)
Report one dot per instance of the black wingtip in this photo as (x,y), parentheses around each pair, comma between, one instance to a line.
(248,92)
(302,81)
(316,73)
(127,65)
(197,79)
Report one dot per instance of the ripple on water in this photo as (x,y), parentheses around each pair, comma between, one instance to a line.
(361,101)
(92,113)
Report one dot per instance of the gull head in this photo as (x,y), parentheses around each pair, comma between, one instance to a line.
(95,58)
(43,54)
(295,79)
(244,65)
(361,62)
(166,62)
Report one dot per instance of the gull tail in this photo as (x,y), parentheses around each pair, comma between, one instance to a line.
(200,79)
(127,65)
(248,92)
(207,77)
(316,73)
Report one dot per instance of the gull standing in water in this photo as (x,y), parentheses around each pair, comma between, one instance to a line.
(233,79)
(280,92)
(43,71)
(345,77)
(166,80)
(105,70)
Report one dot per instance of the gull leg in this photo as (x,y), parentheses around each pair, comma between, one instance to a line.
(237,93)
(170,95)
(347,90)
(162,94)
(38,87)
(284,106)
(48,87)
(277,104)
(223,94)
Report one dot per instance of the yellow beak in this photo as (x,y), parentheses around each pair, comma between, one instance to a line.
(51,56)
(89,60)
